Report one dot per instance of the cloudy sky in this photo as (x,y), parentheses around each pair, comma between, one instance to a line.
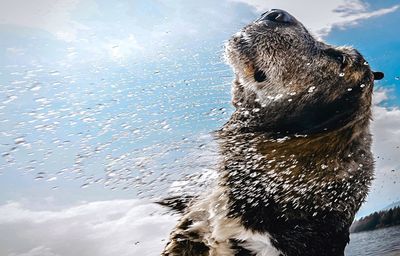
(105,104)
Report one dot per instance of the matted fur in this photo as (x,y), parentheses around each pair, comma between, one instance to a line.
(296,152)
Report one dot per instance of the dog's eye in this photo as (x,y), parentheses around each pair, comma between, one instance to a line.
(337,56)
(260,76)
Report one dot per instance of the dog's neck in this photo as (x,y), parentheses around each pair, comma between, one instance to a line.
(288,114)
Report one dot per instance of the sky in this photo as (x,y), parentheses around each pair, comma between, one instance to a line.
(105,106)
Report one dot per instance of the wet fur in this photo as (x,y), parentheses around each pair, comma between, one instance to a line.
(296,152)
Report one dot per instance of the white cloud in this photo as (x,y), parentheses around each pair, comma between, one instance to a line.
(53,16)
(321,16)
(37,251)
(386,148)
(118,227)
(380,96)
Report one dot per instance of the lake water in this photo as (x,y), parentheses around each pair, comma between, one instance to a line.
(381,242)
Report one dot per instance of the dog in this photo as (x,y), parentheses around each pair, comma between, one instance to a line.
(296,159)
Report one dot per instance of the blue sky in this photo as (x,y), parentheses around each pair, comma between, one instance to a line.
(102,101)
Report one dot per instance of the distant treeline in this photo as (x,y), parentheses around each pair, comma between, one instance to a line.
(377,220)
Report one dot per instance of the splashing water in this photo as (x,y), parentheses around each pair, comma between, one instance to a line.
(130,128)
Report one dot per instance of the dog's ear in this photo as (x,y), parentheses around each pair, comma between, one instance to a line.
(378,75)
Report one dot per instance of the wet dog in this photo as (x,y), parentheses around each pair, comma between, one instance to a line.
(297,162)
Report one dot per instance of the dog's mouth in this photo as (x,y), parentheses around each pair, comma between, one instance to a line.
(257,47)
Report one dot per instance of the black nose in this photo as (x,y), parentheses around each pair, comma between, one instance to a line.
(277,15)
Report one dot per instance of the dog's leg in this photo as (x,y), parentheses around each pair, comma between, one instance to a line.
(185,241)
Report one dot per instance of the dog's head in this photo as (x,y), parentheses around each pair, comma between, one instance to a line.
(302,84)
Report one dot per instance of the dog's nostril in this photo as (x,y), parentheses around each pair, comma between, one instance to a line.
(277,16)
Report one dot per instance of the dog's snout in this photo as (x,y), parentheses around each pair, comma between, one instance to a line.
(277,15)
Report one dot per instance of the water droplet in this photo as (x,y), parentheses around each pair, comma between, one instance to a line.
(54,73)
(362,85)
(311,89)
(112,174)
(10,99)
(35,87)
(19,140)
(349,89)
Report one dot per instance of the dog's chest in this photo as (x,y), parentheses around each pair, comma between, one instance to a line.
(226,235)
(258,243)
